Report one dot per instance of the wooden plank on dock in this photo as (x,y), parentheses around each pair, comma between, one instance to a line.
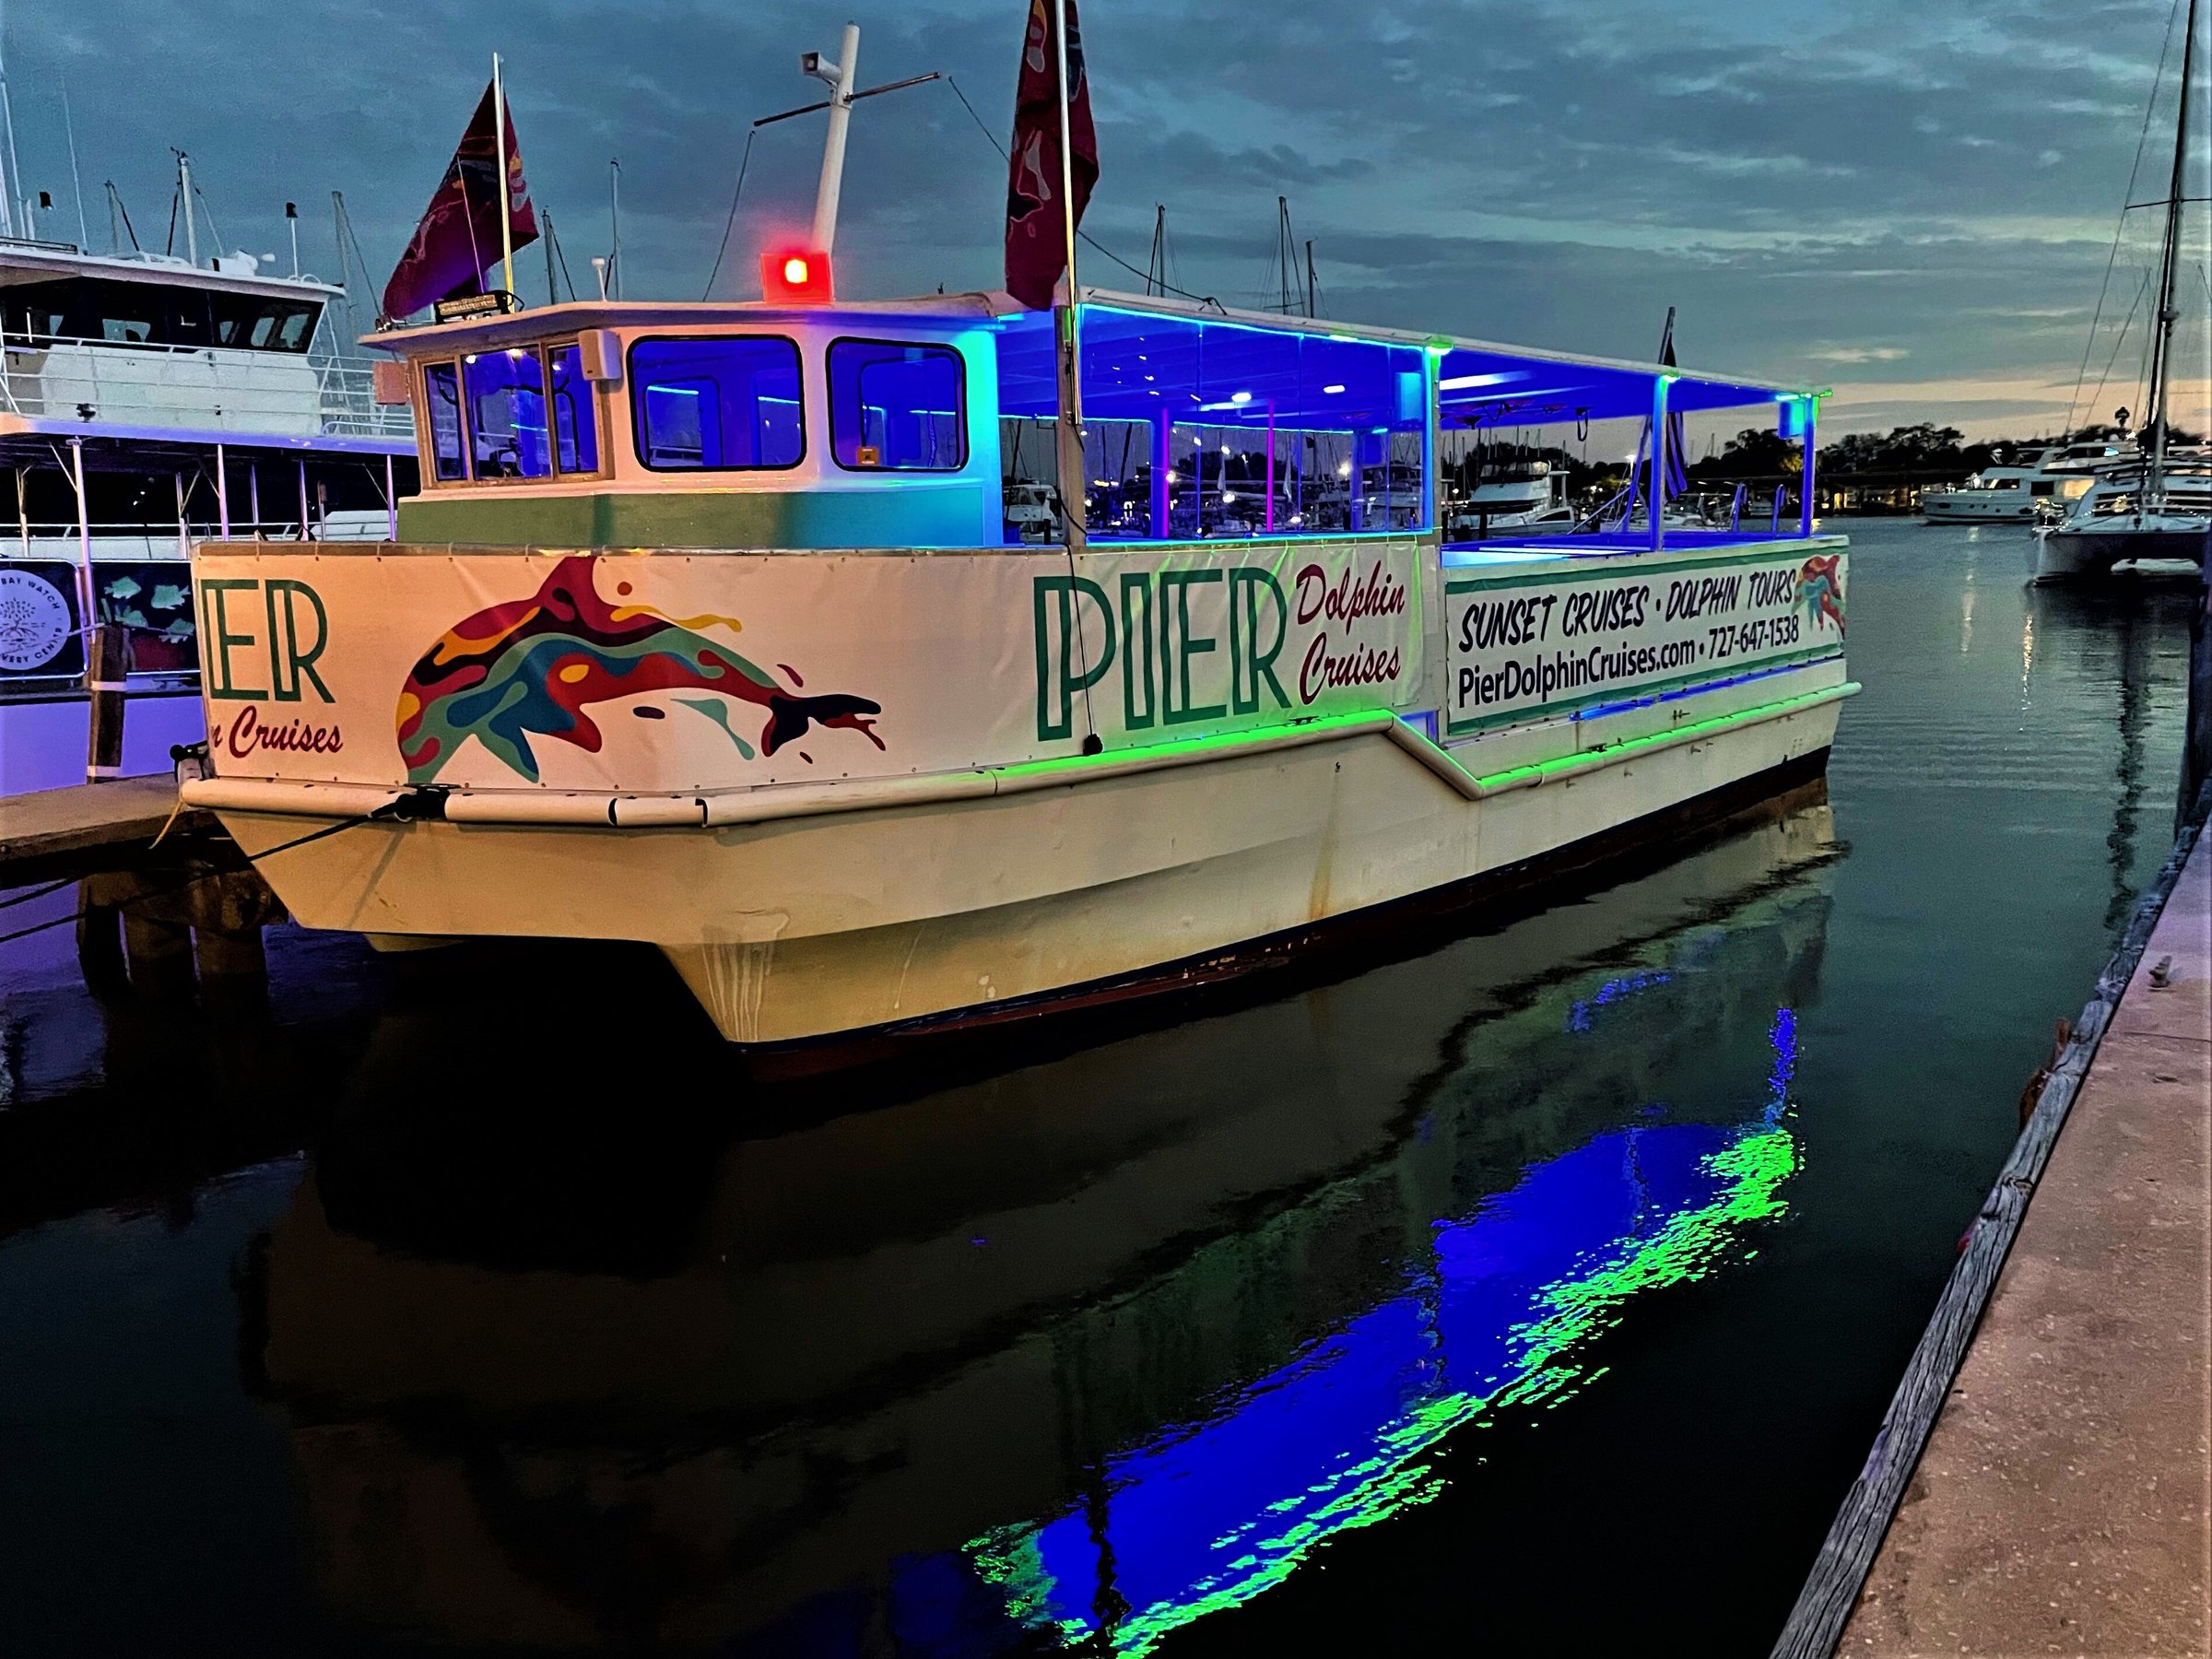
(2055,1432)
(85,818)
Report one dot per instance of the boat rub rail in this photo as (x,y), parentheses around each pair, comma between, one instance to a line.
(732,806)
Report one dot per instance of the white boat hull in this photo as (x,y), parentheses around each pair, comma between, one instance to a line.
(792,931)
(2065,553)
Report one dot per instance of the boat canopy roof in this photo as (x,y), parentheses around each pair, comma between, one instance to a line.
(1200,361)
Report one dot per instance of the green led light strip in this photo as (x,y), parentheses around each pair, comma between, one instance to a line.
(1590,760)
(1137,759)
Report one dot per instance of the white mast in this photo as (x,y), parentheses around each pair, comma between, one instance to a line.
(192,231)
(2161,349)
(77,183)
(13,192)
(839,77)
(498,127)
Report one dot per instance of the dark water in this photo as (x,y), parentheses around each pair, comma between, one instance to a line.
(1542,1286)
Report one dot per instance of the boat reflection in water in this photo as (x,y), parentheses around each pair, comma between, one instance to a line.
(1072,1354)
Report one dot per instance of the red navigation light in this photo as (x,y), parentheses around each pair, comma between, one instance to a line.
(796,275)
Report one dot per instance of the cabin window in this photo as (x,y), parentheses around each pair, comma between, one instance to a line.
(897,407)
(506,393)
(442,399)
(575,422)
(147,313)
(727,404)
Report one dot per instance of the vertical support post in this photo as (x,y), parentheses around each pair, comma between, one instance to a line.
(391,503)
(1163,463)
(1805,485)
(84,543)
(2196,732)
(23,510)
(833,143)
(303,500)
(222,493)
(1267,513)
(1432,516)
(184,532)
(1068,474)
(1656,491)
(253,493)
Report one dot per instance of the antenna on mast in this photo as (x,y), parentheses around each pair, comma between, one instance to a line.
(610,285)
(838,75)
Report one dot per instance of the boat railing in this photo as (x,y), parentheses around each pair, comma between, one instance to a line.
(59,540)
(1780,491)
(1735,507)
(140,382)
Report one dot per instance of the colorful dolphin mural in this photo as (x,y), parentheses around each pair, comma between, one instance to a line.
(534,666)
(1820,589)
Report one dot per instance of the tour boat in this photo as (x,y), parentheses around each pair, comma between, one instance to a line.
(709,628)
(146,399)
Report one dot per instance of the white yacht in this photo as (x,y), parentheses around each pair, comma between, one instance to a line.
(1527,499)
(2035,484)
(147,400)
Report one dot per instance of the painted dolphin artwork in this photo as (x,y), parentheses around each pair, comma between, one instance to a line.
(1821,590)
(534,668)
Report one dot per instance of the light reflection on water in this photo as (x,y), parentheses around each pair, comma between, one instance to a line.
(1446,1276)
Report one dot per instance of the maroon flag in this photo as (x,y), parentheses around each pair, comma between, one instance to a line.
(1036,218)
(459,236)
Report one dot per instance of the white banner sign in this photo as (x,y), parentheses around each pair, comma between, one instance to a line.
(1521,647)
(675,672)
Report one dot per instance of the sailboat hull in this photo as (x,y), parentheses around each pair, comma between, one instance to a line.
(2065,554)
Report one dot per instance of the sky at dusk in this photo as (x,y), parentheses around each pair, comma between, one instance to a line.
(1910,202)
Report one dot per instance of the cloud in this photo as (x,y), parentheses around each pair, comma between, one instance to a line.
(1872,182)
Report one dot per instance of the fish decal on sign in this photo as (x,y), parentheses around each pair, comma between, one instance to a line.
(534,668)
(1821,590)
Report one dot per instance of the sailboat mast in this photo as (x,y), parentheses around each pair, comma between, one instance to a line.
(2161,364)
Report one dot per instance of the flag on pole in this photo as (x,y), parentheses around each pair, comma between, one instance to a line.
(1677,474)
(459,236)
(1036,222)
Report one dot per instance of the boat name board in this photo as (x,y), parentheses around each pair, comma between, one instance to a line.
(677,672)
(1528,646)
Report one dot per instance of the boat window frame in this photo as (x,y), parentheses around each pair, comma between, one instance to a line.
(426,433)
(637,401)
(555,473)
(960,415)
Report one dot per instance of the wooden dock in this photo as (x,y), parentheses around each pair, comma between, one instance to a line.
(2062,1502)
(55,825)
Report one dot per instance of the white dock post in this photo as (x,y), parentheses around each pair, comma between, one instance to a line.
(390,504)
(303,500)
(222,493)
